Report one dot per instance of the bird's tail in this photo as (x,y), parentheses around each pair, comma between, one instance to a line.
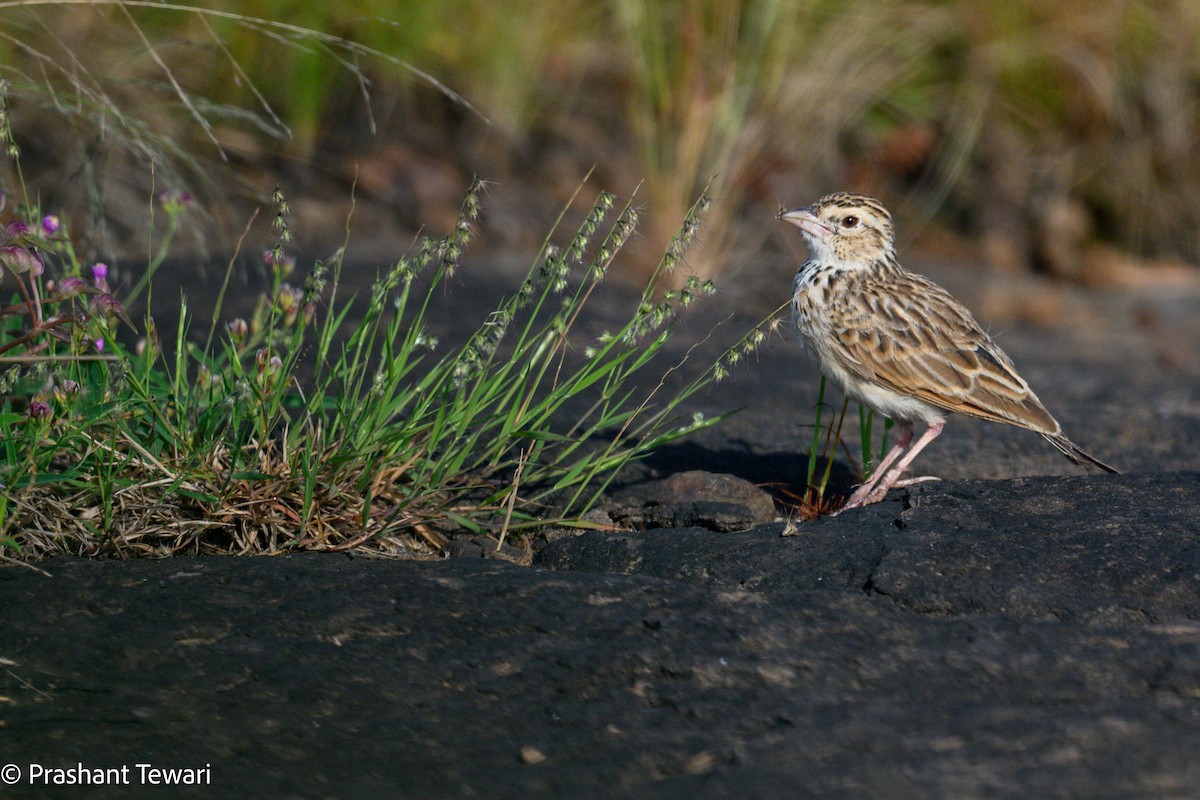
(1072,451)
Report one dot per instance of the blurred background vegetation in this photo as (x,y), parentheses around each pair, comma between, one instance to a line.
(1059,135)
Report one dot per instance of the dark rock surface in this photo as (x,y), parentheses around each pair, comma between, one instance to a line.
(1119,548)
(966,639)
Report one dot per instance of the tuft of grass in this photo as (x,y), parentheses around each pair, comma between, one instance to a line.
(326,423)
(320,421)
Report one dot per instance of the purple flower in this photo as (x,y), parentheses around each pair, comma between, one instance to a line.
(100,275)
(16,228)
(71,286)
(21,260)
(278,260)
(105,304)
(67,389)
(50,225)
(99,345)
(38,409)
(238,330)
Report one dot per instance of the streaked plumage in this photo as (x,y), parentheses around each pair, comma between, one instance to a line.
(898,342)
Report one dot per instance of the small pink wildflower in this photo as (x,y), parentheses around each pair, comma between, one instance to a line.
(100,274)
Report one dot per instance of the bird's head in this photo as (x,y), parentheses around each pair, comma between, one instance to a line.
(849,230)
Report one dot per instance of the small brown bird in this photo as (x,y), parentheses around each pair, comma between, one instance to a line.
(898,342)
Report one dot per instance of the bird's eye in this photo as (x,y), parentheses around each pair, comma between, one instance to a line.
(850,221)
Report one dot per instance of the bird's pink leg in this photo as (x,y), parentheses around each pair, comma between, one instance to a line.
(876,492)
(902,442)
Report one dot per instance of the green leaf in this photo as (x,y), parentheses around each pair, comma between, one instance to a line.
(542,436)
(203,497)
(250,475)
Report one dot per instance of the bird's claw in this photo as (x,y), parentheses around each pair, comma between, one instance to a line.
(919,479)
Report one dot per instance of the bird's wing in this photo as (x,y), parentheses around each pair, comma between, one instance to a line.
(917,340)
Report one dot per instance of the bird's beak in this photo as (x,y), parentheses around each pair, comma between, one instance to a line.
(806,220)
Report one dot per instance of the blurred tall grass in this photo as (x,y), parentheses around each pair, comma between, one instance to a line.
(1036,126)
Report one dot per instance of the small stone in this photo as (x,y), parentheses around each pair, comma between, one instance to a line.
(531,755)
(715,501)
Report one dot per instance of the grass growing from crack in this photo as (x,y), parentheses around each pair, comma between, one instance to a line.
(323,422)
(823,448)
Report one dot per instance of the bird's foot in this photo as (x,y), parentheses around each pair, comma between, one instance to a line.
(865,495)
(875,489)
(870,493)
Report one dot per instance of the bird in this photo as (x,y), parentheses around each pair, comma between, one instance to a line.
(899,343)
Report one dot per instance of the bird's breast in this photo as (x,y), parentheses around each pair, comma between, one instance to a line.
(810,299)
